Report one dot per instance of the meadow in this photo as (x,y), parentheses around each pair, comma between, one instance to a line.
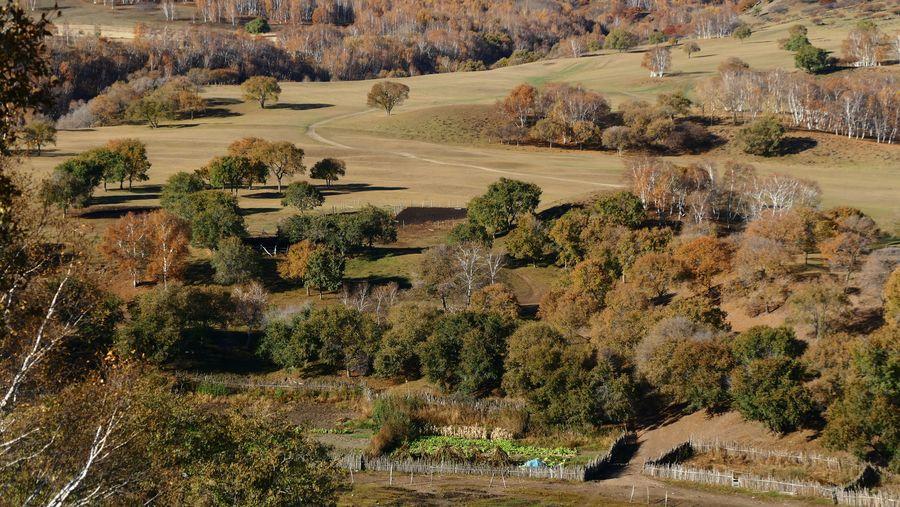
(434,150)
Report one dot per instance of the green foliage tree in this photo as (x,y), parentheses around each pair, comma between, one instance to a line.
(38,133)
(796,38)
(763,342)
(233,172)
(151,109)
(175,195)
(262,89)
(325,270)
(504,201)
(410,324)
(771,391)
(376,224)
(469,232)
(762,137)
(865,419)
(465,352)
(72,182)
(302,196)
(812,59)
(528,240)
(132,155)
(234,262)
(620,208)
(620,40)
(387,95)
(168,320)
(328,169)
(213,215)
(258,25)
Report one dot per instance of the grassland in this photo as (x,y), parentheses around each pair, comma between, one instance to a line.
(432,151)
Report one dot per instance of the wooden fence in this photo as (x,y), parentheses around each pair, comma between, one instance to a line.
(419,466)
(803,458)
(854,493)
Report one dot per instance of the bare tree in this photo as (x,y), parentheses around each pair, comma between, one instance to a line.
(469,260)
(493,262)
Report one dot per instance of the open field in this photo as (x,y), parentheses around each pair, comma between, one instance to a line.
(432,152)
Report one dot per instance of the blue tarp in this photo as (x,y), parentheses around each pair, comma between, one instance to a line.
(534,463)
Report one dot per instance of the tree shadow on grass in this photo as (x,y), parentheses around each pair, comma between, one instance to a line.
(380,252)
(217,112)
(121,198)
(349,188)
(255,211)
(199,272)
(264,195)
(112,212)
(373,280)
(178,125)
(795,145)
(222,101)
(298,107)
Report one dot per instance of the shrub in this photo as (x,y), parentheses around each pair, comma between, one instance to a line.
(395,422)
(762,137)
(812,59)
(763,342)
(258,25)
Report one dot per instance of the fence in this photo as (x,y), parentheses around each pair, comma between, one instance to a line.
(666,467)
(357,462)
(803,458)
(591,471)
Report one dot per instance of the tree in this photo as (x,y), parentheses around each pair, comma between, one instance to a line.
(654,272)
(796,38)
(620,40)
(169,237)
(25,69)
(257,25)
(325,270)
(151,109)
(692,372)
(302,196)
(521,105)
(819,305)
(812,59)
(133,156)
(261,89)
(175,195)
(234,262)
(763,342)
(233,172)
(865,418)
(293,267)
(528,240)
(864,45)
(38,133)
(742,32)
(657,60)
(771,391)
(703,258)
(283,159)
(127,243)
(762,137)
(675,103)
(387,95)
(465,352)
(620,208)
(72,183)
(504,201)
(328,169)
(375,224)
(469,232)
(690,47)
(496,298)
(410,325)
(214,215)
(250,302)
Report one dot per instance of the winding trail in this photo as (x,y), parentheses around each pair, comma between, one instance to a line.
(315,135)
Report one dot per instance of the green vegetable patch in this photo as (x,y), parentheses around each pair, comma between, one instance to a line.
(499,450)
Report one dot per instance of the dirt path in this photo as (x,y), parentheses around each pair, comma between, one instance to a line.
(315,135)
